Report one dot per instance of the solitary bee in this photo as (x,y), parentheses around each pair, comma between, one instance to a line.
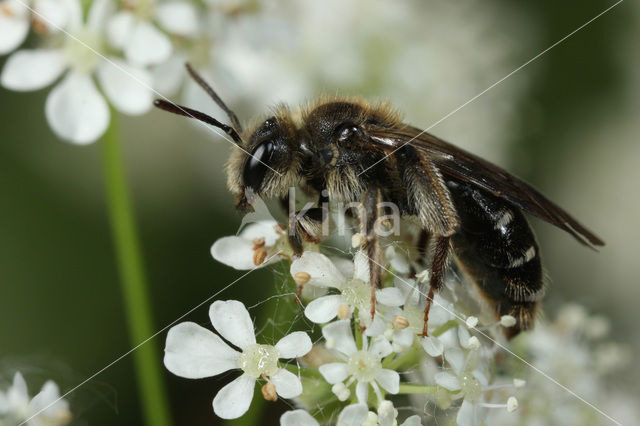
(351,151)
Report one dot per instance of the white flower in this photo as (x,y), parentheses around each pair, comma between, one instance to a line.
(133,31)
(15,19)
(351,415)
(361,366)
(194,352)
(355,292)
(413,312)
(253,248)
(46,408)
(75,109)
(469,380)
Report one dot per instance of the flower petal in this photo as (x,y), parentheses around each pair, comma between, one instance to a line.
(353,415)
(469,414)
(128,88)
(432,345)
(323,309)
(387,414)
(233,400)
(98,14)
(389,380)
(345,266)
(338,336)
(390,296)
(294,345)
(261,229)
(51,14)
(362,392)
(455,358)
(287,384)
(361,266)
(194,352)
(412,421)
(334,372)
(169,75)
(18,394)
(380,347)
(14,27)
(178,17)
(233,322)
(323,272)
(147,45)
(120,28)
(76,111)
(403,337)
(32,69)
(298,418)
(447,381)
(375,327)
(235,252)
(47,403)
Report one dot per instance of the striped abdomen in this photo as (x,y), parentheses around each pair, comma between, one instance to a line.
(495,246)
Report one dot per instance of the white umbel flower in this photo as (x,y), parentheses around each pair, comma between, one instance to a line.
(75,109)
(194,352)
(355,292)
(364,367)
(46,408)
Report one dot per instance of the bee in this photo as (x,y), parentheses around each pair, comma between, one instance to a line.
(348,150)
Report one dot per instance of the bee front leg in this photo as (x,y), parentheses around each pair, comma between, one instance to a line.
(368,222)
(442,249)
(304,225)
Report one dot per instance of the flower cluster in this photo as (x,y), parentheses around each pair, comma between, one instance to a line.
(359,368)
(118,53)
(44,409)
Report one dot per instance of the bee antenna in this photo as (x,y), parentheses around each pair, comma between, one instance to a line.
(192,113)
(212,93)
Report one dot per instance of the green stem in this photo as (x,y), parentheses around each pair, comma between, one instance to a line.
(417,389)
(133,281)
(304,371)
(408,358)
(445,327)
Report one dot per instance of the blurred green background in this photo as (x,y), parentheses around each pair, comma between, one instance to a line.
(573,134)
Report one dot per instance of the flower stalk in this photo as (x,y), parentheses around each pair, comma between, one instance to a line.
(133,281)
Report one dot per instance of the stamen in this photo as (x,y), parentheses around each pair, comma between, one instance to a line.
(301,278)
(259,256)
(357,240)
(269,392)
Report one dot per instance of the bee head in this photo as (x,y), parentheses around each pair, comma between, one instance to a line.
(266,164)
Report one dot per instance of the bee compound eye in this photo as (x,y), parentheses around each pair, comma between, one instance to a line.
(257,165)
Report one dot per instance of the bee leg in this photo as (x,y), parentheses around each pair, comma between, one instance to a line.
(442,249)
(423,246)
(368,219)
(304,225)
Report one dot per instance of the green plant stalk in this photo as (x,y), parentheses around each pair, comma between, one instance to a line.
(151,388)
(417,389)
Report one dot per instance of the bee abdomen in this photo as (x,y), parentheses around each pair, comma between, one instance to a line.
(495,246)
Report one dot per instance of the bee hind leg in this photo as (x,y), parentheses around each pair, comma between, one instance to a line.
(441,251)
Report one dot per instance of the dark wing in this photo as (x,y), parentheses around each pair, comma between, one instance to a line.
(462,165)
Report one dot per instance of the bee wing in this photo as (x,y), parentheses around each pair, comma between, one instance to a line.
(467,167)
